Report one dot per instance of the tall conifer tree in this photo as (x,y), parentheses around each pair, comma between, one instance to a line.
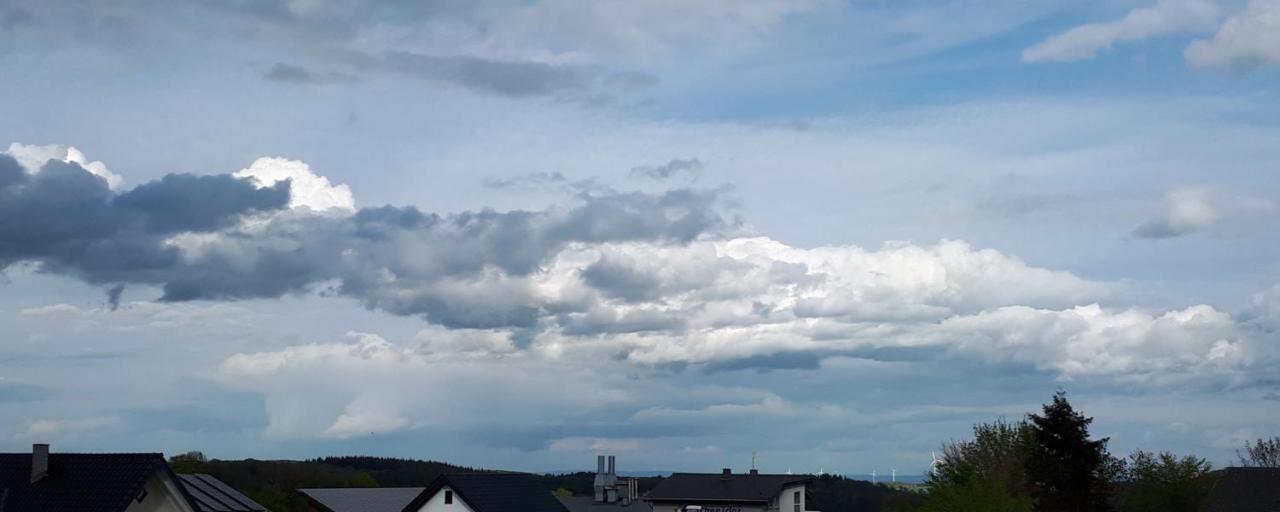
(1065,468)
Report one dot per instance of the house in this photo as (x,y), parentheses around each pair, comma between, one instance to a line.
(211,495)
(90,482)
(1245,490)
(612,494)
(454,492)
(729,492)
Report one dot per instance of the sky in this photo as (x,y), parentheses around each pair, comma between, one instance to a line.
(519,233)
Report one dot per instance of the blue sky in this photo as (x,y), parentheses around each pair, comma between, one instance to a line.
(515,234)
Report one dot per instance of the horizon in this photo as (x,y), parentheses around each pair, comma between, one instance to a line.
(516,234)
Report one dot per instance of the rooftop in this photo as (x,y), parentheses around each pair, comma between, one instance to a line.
(1245,490)
(376,499)
(211,495)
(749,487)
(77,482)
(494,492)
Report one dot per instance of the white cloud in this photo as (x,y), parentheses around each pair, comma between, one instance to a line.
(47,430)
(56,310)
(647,29)
(1190,209)
(307,189)
(1128,345)
(32,157)
(1245,41)
(592,445)
(368,384)
(1166,17)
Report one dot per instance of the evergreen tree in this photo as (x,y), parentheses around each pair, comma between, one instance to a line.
(1065,468)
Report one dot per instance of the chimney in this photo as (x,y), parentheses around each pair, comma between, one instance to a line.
(600,484)
(612,468)
(726,474)
(755,471)
(39,461)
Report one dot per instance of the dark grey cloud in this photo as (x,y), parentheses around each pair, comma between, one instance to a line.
(113,296)
(468,269)
(13,18)
(527,181)
(71,222)
(185,202)
(1160,228)
(622,280)
(289,73)
(514,79)
(592,85)
(770,362)
(688,167)
(13,392)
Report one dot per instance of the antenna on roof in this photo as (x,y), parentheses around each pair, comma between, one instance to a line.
(753,459)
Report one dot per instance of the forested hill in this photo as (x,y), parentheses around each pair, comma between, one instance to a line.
(274,482)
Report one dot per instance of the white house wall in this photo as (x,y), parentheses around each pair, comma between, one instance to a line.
(162,496)
(786,500)
(437,504)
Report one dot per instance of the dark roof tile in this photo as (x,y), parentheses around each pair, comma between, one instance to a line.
(1245,490)
(718,487)
(211,495)
(377,499)
(77,482)
(493,492)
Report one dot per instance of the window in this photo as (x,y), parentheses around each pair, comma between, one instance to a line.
(795,501)
(448,497)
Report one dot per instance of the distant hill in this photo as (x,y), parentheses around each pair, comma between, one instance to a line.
(274,483)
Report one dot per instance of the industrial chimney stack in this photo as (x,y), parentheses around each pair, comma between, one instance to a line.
(608,487)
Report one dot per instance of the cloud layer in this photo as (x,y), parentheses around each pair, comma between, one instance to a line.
(1244,42)
(1165,18)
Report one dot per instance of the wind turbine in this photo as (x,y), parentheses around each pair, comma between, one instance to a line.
(894,474)
(933,466)
(873,476)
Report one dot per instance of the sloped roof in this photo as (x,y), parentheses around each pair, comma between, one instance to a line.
(493,492)
(376,499)
(211,495)
(719,487)
(1245,490)
(77,482)
(588,504)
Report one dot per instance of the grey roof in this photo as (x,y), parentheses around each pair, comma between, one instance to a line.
(1245,490)
(494,492)
(719,487)
(588,504)
(211,495)
(78,482)
(376,499)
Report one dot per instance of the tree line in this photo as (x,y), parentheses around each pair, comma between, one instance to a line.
(1046,462)
(1049,462)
